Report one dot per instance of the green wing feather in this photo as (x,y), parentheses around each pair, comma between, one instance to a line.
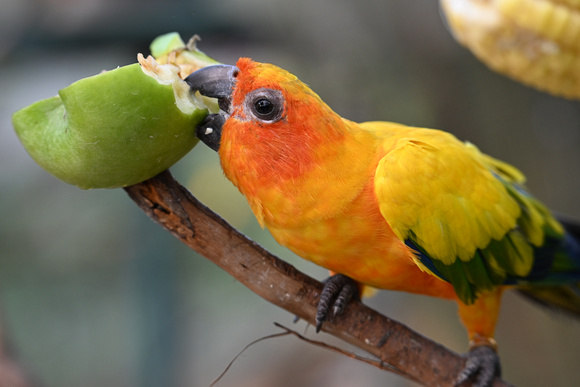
(466,213)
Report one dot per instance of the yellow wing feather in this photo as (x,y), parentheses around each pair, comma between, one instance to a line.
(442,192)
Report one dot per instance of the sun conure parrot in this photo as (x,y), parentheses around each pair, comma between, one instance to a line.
(386,205)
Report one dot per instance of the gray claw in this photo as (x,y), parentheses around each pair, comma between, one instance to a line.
(482,364)
(337,292)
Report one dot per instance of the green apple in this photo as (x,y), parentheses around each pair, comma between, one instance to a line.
(116,128)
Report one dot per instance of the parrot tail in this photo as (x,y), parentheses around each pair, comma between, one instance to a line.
(565,297)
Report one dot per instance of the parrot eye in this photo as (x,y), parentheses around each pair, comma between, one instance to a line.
(265,105)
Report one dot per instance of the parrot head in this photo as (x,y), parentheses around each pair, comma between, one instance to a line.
(261,102)
(274,134)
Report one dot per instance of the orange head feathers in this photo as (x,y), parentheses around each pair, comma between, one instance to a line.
(279,117)
(275,127)
(276,134)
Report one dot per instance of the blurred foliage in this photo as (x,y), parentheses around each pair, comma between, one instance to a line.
(93,293)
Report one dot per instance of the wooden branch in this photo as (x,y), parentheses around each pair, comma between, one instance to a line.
(412,355)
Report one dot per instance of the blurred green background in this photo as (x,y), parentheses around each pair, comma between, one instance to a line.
(92,293)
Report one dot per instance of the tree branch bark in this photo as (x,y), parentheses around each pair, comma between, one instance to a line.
(411,354)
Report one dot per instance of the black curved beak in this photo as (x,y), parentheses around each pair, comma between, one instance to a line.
(210,130)
(216,81)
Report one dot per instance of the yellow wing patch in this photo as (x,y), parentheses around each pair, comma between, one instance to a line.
(440,190)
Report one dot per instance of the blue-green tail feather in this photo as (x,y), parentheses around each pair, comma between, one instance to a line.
(540,256)
(554,279)
(559,288)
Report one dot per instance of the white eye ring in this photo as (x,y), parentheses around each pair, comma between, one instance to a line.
(265,105)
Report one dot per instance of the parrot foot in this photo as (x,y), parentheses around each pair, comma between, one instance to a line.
(483,364)
(337,292)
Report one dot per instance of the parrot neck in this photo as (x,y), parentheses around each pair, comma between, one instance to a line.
(298,172)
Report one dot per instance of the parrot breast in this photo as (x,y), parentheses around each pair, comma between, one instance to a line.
(317,198)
